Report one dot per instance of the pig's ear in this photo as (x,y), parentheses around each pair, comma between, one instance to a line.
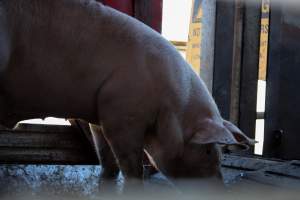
(238,134)
(221,132)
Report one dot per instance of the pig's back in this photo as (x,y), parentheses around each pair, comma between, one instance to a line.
(68,49)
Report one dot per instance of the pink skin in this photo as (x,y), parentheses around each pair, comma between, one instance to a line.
(81,60)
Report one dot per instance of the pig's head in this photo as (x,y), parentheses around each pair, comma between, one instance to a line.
(201,155)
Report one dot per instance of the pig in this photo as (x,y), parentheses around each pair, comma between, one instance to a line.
(79,59)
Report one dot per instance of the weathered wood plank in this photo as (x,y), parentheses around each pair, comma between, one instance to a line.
(271,172)
(39,140)
(282,136)
(249,68)
(228,63)
(224,54)
(47,156)
(45,144)
(247,163)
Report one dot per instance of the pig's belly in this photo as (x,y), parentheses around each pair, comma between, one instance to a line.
(57,97)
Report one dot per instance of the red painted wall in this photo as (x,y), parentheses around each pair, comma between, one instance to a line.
(147,11)
(126,6)
(156,15)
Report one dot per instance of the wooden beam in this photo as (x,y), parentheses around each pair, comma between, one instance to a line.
(272,135)
(282,136)
(228,55)
(236,62)
(45,144)
(249,67)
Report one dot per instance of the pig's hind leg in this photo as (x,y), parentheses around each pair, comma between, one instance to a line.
(94,133)
(110,168)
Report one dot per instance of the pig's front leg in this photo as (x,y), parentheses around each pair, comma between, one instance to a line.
(125,135)
(126,142)
(125,111)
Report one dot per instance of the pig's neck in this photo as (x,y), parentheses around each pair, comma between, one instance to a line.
(166,150)
(201,107)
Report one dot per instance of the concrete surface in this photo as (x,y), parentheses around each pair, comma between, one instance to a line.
(81,182)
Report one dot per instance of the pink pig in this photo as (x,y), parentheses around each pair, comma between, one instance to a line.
(79,59)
